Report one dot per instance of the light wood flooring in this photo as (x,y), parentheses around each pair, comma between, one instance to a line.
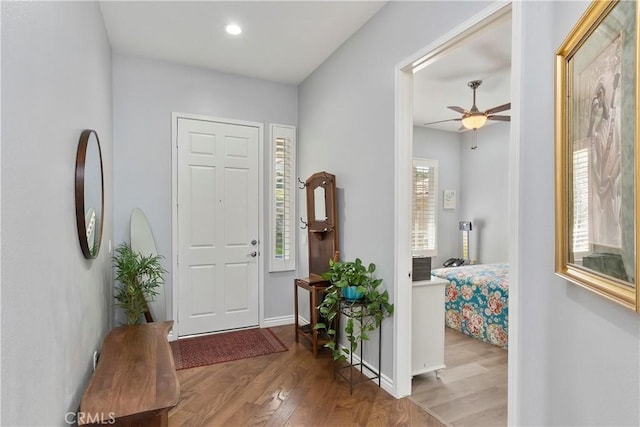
(286,389)
(472,390)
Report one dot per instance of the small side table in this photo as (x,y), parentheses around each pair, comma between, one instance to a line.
(358,311)
(316,286)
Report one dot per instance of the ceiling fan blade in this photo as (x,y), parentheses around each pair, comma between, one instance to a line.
(458,109)
(442,121)
(503,107)
(500,118)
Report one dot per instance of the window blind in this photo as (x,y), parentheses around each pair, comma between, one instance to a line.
(283,199)
(581,200)
(424,207)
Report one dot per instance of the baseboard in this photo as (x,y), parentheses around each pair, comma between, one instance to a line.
(278,321)
(386,383)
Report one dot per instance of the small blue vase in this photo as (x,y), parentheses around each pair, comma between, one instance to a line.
(350,293)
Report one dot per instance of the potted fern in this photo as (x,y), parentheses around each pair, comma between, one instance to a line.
(352,283)
(138,278)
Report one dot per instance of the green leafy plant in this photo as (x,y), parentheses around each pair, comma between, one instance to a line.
(376,303)
(139,276)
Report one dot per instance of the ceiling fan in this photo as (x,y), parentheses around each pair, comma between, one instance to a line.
(474,119)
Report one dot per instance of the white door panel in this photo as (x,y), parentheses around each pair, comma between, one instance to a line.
(217,220)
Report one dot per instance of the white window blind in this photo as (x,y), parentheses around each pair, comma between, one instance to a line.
(424,207)
(581,204)
(283,199)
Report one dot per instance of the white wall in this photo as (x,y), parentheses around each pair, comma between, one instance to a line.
(579,354)
(346,117)
(56,81)
(484,191)
(446,148)
(145,93)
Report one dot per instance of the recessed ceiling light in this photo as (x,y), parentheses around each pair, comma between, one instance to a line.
(233,29)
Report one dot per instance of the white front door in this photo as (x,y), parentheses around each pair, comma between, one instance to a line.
(217,226)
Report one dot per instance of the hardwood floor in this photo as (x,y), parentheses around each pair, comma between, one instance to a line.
(286,389)
(472,390)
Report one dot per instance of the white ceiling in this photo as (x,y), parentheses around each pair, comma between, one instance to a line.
(282,41)
(486,56)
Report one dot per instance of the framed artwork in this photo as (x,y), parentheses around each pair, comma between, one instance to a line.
(596,170)
(449,199)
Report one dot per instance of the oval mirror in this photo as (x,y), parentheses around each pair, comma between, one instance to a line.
(89,193)
(319,204)
(142,241)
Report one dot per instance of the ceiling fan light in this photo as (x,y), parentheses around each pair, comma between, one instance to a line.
(474,121)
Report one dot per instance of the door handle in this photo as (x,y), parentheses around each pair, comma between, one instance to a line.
(254,254)
(254,242)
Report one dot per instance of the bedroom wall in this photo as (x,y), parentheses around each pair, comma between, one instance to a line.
(579,354)
(346,117)
(484,191)
(145,93)
(446,148)
(56,81)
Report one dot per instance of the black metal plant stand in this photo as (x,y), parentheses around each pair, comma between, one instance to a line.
(357,372)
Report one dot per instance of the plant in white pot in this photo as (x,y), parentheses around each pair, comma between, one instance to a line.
(353,283)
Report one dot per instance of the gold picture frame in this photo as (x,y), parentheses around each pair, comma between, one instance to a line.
(596,157)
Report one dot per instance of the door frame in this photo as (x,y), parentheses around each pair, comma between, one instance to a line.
(403,148)
(174,211)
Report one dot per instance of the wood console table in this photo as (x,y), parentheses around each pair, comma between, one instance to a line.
(135,382)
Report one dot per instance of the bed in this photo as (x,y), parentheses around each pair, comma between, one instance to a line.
(477,301)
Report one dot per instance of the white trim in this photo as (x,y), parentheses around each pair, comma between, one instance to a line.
(386,383)
(513,401)
(303,320)
(278,321)
(403,141)
(402,233)
(275,265)
(174,209)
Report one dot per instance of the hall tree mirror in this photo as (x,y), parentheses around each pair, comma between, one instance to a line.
(322,219)
(320,210)
(321,202)
(89,193)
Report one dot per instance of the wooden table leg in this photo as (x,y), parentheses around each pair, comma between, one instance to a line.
(314,318)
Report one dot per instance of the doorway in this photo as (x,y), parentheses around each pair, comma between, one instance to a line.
(217,280)
(403,156)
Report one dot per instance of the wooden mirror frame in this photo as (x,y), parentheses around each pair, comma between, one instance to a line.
(322,235)
(328,182)
(81,158)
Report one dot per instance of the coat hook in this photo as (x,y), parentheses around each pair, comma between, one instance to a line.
(304,184)
(306,224)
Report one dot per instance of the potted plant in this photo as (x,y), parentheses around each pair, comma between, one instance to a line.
(139,276)
(352,283)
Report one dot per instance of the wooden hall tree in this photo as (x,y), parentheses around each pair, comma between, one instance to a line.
(322,237)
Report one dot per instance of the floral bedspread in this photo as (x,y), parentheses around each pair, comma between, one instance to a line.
(477,301)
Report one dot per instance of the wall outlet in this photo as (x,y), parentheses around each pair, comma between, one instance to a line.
(95,359)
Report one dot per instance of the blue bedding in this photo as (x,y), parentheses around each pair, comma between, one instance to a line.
(477,301)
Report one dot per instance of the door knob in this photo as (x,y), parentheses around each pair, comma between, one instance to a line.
(254,254)
(254,242)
